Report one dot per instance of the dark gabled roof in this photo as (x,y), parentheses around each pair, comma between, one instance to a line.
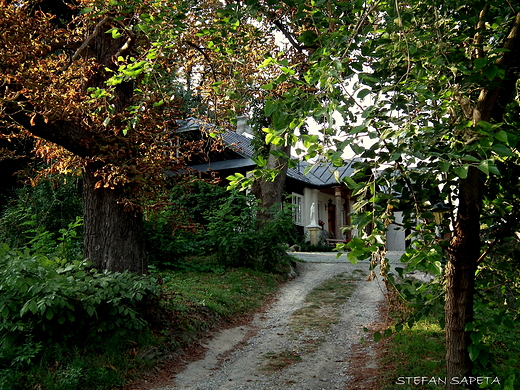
(313,175)
(192,124)
(239,143)
(318,175)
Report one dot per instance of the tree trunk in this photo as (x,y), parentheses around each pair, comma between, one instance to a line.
(113,237)
(270,193)
(460,277)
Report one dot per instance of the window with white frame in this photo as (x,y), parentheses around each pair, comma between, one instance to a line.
(298,209)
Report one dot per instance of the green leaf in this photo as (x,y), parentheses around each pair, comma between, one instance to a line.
(502,150)
(474,351)
(484,167)
(350,182)
(363,93)
(491,71)
(115,32)
(501,136)
(261,161)
(493,169)
(86,10)
(479,63)
(270,108)
(462,171)
(444,166)
(377,336)
(90,310)
(358,129)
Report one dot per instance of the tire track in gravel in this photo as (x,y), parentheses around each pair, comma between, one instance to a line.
(235,358)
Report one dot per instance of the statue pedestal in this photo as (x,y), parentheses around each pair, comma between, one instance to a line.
(313,233)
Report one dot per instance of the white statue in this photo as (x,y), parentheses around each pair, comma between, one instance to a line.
(313,215)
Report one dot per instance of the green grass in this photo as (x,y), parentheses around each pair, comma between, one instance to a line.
(280,360)
(236,291)
(414,352)
(420,352)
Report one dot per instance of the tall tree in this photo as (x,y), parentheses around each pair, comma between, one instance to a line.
(95,83)
(82,77)
(432,85)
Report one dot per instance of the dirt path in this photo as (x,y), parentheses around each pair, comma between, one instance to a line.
(268,354)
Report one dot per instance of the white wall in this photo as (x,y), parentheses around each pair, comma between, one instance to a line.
(396,236)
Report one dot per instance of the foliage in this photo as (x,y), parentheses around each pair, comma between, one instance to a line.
(424,93)
(52,305)
(239,239)
(177,231)
(307,247)
(493,332)
(45,218)
(47,300)
(62,367)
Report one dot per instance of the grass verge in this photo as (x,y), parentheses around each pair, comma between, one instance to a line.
(414,352)
(419,352)
(199,300)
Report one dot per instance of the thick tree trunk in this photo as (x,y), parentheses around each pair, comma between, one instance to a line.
(460,277)
(113,237)
(270,193)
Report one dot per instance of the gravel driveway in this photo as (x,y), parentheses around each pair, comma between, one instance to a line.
(235,358)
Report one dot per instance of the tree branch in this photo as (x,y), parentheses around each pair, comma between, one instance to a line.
(208,60)
(487,107)
(86,43)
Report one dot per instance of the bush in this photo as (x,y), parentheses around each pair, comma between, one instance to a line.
(178,231)
(44,301)
(46,218)
(239,239)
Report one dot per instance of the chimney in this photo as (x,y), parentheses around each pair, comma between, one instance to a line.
(243,126)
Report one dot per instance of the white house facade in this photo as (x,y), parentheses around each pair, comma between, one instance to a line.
(313,186)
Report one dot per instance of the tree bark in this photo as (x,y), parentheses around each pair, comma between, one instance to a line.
(113,237)
(270,193)
(464,252)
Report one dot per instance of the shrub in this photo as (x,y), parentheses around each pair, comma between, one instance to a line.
(239,239)
(44,301)
(45,218)
(178,231)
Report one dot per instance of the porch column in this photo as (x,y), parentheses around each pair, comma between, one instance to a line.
(339,207)
(348,210)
